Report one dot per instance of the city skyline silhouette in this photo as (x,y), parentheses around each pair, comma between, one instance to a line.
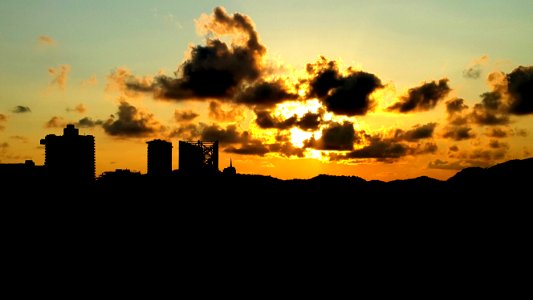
(375,91)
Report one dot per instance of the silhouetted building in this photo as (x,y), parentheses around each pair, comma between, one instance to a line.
(198,157)
(70,157)
(159,157)
(21,172)
(230,170)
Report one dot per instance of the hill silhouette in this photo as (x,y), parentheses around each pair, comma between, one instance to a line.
(511,177)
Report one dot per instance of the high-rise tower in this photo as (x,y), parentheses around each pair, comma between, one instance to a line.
(70,157)
(159,157)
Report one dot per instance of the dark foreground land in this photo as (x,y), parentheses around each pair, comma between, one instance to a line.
(509,181)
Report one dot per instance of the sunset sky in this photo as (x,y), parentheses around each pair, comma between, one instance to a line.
(377,89)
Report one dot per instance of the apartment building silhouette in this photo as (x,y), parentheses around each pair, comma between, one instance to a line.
(159,157)
(70,157)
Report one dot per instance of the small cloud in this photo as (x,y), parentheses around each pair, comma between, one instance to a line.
(184,115)
(91,81)
(19,109)
(131,122)
(217,113)
(3,119)
(80,108)
(59,76)
(46,40)
(55,122)
(89,123)
(474,69)
(458,133)
(20,138)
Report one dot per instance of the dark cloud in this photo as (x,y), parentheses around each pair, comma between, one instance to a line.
(495,144)
(422,98)
(216,112)
(55,122)
(187,132)
(265,94)
(130,122)
(472,72)
(266,121)
(89,123)
(286,149)
(455,106)
(488,155)
(454,148)
(446,165)
(490,111)
(310,121)
(228,135)
(249,148)
(418,132)
(342,94)
(19,109)
(497,133)
(381,149)
(335,137)
(520,89)
(458,133)
(184,115)
(426,148)
(216,70)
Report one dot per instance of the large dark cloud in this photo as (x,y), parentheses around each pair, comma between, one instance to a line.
(335,137)
(490,111)
(130,122)
(417,133)
(19,109)
(216,70)
(422,98)
(342,94)
(265,94)
(520,89)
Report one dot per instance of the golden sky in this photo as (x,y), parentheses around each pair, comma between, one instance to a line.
(381,91)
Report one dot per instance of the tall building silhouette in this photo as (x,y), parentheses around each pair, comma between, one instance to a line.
(159,157)
(198,157)
(70,157)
